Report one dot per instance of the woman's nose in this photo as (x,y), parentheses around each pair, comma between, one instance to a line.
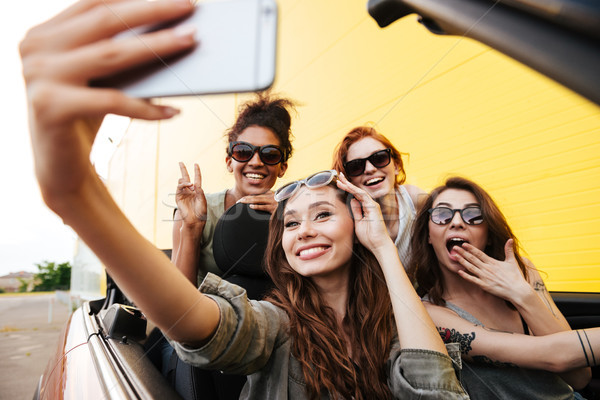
(457,219)
(369,168)
(306,230)
(255,160)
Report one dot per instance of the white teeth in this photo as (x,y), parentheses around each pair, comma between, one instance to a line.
(374,180)
(310,251)
(254,176)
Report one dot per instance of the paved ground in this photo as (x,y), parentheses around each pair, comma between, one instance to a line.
(27,339)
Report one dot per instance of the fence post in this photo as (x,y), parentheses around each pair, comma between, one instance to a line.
(50,304)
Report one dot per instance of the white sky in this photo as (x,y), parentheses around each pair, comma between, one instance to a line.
(29,232)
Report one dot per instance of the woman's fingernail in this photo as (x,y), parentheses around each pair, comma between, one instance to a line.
(185,30)
(169,111)
(183,3)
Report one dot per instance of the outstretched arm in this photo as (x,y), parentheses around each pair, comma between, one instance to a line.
(576,349)
(59,57)
(505,280)
(415,328)
(544,317)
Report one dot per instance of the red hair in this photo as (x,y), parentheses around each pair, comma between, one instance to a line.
(341,152)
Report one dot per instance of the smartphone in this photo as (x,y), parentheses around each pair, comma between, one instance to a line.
(235,53)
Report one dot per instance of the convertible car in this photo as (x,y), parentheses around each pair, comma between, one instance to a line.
(103,350)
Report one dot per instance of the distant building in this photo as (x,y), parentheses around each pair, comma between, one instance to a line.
(12,282)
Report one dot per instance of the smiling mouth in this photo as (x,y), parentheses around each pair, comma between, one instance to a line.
(374,181)
(254,176)
(454,242)
(312,251)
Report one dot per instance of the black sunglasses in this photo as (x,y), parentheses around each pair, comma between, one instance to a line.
(243,152)
(472,215)
(379,159)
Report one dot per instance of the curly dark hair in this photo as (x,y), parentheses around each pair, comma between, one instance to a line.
(360,132)
(317,344)
(266,111)
(424,268)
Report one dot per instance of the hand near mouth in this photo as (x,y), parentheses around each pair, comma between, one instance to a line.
(500,278)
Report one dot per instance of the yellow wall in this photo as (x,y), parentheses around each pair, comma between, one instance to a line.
(455,105)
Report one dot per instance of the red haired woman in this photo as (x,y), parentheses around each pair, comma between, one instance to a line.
(372,163)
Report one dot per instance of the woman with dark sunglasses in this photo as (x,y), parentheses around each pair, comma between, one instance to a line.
(258,149)
(371,162)
(481,293)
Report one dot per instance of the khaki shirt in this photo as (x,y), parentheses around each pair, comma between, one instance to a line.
(252,339)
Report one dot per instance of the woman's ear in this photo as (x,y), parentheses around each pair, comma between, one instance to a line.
(282,168)
(228,164)
(396,167)
(428,239)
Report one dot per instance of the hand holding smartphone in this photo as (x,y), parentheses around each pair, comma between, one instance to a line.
(235,53)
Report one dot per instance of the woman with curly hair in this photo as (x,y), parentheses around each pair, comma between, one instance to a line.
(483,294)
(259,146)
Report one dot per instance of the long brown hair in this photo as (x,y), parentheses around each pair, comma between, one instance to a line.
(341,152)
(321,351)
(424,267)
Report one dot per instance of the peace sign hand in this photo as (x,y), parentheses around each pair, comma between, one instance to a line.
(190,198)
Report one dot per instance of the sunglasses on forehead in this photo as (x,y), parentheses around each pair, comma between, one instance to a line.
(379,159)
(472,215)
(314,181)
(243,152)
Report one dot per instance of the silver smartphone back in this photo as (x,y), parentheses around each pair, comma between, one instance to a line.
(236,53)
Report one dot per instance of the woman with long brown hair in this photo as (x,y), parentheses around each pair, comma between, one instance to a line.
(482,293)
(374,164)
(321,336)
(341,322)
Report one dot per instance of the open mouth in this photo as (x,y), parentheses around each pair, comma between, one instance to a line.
(374,181)
(254,175)
(454,242)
